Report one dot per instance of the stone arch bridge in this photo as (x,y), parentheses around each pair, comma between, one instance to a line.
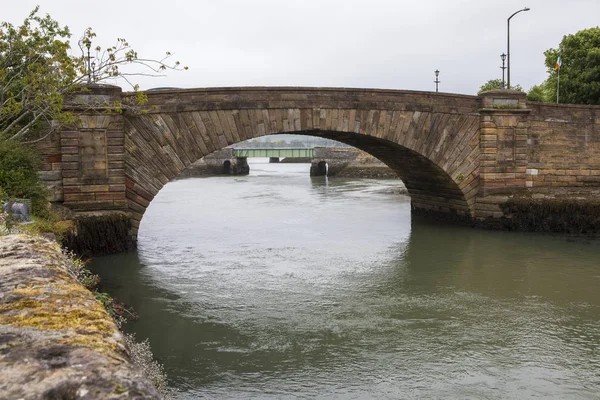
(459,156)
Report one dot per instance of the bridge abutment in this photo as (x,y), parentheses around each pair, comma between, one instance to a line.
(329,161)
(504,121)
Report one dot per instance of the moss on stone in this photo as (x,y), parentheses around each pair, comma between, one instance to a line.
(56,338)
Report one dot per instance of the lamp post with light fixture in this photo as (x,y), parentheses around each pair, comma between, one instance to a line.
(503,67)
(508,45)
(437,81)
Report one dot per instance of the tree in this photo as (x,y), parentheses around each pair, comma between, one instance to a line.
(539,93)
(37,71)
(580,68)
(19,177)
(536,93)
(493,84)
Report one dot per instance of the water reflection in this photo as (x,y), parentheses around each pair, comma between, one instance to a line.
(277,285)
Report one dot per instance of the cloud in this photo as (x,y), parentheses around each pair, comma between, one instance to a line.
(380,43)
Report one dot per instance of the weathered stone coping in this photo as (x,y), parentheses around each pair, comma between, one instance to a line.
(56,340)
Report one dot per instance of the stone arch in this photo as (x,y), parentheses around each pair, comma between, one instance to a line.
(431,141)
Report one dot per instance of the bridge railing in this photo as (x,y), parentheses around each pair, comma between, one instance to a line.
(275,152)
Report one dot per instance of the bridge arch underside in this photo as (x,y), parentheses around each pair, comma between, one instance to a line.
(436,155)
(429,186)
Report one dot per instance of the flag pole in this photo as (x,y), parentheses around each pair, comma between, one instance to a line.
(558,85)
(558,65)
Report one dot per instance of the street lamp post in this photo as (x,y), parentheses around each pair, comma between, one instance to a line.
(437,81)
(508,45)
(503,57)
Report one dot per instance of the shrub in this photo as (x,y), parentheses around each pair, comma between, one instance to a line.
(19,177)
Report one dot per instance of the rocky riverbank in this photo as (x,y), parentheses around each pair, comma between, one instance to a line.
(198,169)
(367,166)
(56,340)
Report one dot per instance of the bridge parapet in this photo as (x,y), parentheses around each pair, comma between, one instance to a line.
(279,152)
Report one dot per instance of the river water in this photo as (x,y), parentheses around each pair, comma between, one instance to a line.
(277,285)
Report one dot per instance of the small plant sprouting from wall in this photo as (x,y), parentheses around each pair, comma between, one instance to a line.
(141,355)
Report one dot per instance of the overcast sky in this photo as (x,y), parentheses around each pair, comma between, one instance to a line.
(332,43)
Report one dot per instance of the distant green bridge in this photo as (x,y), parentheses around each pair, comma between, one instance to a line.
(275,152)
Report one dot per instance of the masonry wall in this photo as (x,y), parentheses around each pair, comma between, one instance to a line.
(459,155)
(538,156)
(50,153)
(93,152)
(93,162)
(563,146)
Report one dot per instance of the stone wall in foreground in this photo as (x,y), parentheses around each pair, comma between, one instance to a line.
(56,339)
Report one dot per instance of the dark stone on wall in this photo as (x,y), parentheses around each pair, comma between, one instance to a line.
(441,216)
(579,217)
(573,217)
(101,234)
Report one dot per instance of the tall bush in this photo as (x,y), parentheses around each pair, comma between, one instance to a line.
(19,177)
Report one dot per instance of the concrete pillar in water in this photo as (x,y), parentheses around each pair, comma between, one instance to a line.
(241,166)
(318,168)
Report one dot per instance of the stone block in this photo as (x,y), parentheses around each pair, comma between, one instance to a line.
(72,189)
(70,158)
(115,149)
(79,197)
(51,175)
(53,158)
(117,188)
(116,157)
(71,174)
(111,196)
(69,142)
(116,179)
(590,178)
(70,166)
(121,204)
(70,150)
(94,188)
(68,181)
